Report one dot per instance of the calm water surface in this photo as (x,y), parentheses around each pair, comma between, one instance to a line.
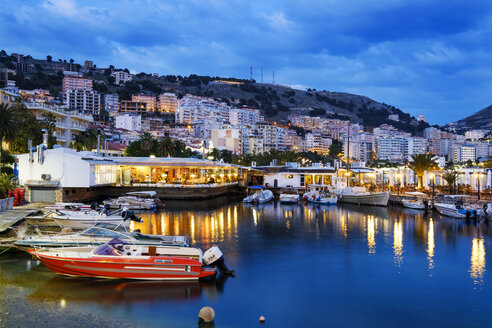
(298,265)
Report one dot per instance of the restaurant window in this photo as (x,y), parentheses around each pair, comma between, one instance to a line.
(302,180)
(289,176)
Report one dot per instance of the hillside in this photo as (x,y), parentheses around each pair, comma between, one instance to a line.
(275,101)
(480,120)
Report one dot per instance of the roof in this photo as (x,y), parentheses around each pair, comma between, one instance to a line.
(43,183)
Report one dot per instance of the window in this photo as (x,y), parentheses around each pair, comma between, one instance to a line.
(289,176)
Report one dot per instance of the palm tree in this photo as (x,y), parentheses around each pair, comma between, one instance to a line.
(7,126)
(420,164)
(450,177)
(147,142)
(166,147)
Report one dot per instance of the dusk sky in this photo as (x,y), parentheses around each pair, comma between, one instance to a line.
(425,57)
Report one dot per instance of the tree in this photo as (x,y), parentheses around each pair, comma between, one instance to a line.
(85,140)
(49,58)
(420,164)
(450,177)
(8,126)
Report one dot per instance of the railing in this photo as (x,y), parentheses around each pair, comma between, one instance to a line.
(53,108)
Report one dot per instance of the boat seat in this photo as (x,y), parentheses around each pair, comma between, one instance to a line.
(132,250)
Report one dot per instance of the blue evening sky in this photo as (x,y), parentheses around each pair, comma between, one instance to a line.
(425,57)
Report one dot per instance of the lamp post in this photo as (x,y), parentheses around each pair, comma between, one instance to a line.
(433,181)
(478,174)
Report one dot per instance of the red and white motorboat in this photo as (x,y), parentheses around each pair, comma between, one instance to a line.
(118,259)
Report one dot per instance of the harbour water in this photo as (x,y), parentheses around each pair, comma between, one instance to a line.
(298,265)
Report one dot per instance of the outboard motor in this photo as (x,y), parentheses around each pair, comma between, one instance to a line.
(130,215)
(214,257)
(94,206)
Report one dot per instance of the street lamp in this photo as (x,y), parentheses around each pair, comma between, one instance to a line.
(478,174)
(433,181)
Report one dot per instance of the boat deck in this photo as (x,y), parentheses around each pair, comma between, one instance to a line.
(12,217)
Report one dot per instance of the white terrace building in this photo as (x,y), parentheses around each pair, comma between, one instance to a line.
(67,124)
(63,174)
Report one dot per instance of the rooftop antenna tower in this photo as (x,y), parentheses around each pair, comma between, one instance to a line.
(251,73)
(262,75)
(273,77)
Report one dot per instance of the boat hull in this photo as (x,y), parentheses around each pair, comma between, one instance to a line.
(376,199)
(453,212)
(148,268)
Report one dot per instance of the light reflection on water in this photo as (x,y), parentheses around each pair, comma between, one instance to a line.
(307,259)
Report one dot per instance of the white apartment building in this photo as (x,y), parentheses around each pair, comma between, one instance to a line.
(76,83)
(168,103)
(475,134)
(482,149)
(390,148)
(240,116)
(421,118)
(389,131)
(319,142)
(130,122)
(111,102)
(440,147)
(229,139)
(87,101)
(463,153)
(414,146)
(193,108)
(360,151)
(273,137)
(67,124)
(150,100)
(120,77)
(432,133)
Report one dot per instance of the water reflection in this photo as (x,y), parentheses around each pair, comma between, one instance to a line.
(371,234)
(398,243)
(477,268)
(430,244)
(64,290)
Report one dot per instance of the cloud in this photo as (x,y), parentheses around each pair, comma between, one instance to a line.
(424,57)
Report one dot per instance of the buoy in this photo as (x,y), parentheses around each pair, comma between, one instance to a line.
(207,314)
(262,319)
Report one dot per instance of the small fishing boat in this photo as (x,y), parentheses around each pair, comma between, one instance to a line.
(136,200)
(289,195)
(122,260)
(319,194)
(97,235)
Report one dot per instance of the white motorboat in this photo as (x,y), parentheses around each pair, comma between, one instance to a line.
(360,196)
(70,207)
(417,201)
(289,195)
(319,194)
(96,235)
(89,218)
(455,208)
(414,204)
(136,200)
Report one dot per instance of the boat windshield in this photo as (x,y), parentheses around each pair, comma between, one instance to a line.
(101,232)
